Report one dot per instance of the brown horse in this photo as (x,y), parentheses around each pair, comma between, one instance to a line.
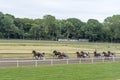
(56,53)
(63,55)
(82,54)
(85,54)
(59,55)
(38,55)
(105,54)
(108,55)
(111,54)
(97,54)
(79,55)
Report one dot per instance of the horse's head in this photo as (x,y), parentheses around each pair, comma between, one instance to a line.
(54,51)
(104,53)
(33,52)
(77,52)
(95,52)
(109,52)
(82,52)
(43,53)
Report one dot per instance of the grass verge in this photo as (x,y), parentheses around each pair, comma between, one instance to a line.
(98,71)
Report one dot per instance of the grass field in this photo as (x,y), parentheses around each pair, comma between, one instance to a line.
(98,71)
(23,48)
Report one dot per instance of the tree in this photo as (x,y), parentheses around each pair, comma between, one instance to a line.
(77,31)
(93,30)
(113,23)
(1,25)
(24,25)
(49,26)
(68,29)
(8,27)
(37,32)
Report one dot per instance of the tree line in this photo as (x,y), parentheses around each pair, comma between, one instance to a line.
(50,28)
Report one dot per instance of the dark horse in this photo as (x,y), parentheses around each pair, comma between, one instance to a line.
(59,55)
(38,55)
(63,55)
(109,54)
(82,54)
(85,54)
(79,55)
(56,53)
(97,54)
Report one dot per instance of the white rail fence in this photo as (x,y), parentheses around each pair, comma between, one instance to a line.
(21,63)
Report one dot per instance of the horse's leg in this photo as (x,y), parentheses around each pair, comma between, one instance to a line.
(44,58)
(54,56)
(40,57)
(35,57)
(59,57)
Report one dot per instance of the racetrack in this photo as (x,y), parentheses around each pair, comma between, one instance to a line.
(15,62)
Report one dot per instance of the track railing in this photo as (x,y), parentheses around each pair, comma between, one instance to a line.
(30,62)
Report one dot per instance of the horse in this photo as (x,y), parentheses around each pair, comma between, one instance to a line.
(60,55)
(85,54)
(111,54)
(56,53)
(64,55)
(108,55)
(78,55)
(38,55)
(105,54)
(97,54)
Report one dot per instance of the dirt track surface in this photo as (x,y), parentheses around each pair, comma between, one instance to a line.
(47,62)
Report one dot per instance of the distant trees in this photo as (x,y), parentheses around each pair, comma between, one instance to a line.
(50,28)
(93,30)
(7,26)
(112,24)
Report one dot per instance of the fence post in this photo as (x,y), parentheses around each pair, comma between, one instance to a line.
(36,63)
(113,59)
(103,59)
(51,61)
(80,60)
(92,60)
(17,63)
(67,61)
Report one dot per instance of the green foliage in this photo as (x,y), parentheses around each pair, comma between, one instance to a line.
(93,30)
(50,28)
(113,23)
